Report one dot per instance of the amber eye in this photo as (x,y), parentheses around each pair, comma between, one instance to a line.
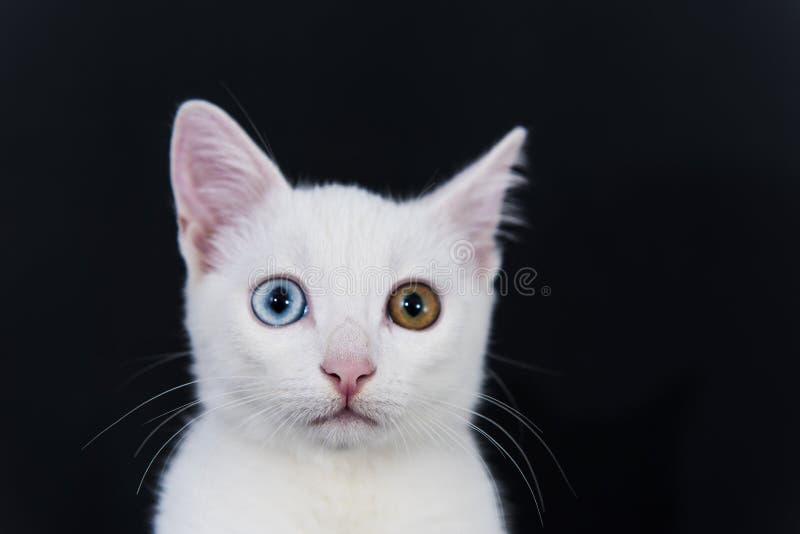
(414,306)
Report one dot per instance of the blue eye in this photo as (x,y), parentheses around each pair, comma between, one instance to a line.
(278,302)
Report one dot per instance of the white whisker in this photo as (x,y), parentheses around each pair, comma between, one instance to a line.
(495,489)
(502,449)
(186,407)
(151,399)
(180,430)
(162,359)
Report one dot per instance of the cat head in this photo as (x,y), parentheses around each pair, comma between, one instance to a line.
(329,315)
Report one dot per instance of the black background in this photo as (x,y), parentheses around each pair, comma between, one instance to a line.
(663,218)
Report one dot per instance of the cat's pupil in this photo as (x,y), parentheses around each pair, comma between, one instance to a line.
(413,304)
(278,300)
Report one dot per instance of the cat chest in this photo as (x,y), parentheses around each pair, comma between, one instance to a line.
(350,501)
(249,491)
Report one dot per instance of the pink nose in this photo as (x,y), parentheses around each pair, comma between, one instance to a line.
(348,375)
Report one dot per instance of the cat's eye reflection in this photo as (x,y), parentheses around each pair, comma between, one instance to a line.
(414,306)
(278,302)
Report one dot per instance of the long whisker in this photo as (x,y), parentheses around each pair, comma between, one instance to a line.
(521,417)
(276,430)
(294,420)
(168,459)
(269,413)
(533,428)
(164,422)
(511,438)
(173,410)
(181,429)
(503,451)
(524,365)
(402,437)
(261,138)
(154,397)
(536,431)
(507,392)
(184,408)
(503,387)
(454,437)
(162,360)
(424,429)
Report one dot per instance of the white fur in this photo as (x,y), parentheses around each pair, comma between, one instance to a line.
(263,466)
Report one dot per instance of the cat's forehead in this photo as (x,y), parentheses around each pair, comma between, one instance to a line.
(346,227)
(336,210)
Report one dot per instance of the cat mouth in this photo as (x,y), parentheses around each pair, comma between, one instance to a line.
(345,416)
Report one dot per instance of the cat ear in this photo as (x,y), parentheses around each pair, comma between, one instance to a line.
(474,200)
(218,174)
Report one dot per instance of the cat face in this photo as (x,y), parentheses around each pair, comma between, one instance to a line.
(329,315)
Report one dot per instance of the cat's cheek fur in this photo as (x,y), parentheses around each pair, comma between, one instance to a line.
(245,366)
(448,364)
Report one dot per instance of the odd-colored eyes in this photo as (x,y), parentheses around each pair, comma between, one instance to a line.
(278,302)
(414,306)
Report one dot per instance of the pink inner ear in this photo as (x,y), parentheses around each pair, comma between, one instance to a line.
(479,213)
(474,200)
(218,173)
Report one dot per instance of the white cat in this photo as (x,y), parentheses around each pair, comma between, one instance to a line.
(333,402)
